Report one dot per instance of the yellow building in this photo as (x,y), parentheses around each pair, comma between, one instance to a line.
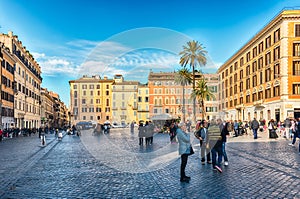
(90,99)
(124,100)
(7,88)
(143,103)
(262,79)
(27,83)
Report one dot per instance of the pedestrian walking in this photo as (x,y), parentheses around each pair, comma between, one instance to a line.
(254,126)
(188,125)
(287,125)
(185,149)
(202,134)
(215,143)
(272,129)
(132,127)
(296,132)
(225,127)
(172,133)
(141,133)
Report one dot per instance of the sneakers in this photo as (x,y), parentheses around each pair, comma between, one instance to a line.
(203,163)
(290,144)
(225,163)
(218,169)
(208,162)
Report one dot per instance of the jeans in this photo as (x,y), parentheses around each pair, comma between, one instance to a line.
(184,159)
(214,152)
(255,133)
(224,152)
(203,146)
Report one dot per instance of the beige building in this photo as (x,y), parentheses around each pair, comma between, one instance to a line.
(7,88)
(262,79)
(124,100)
(90,99)
(47,108)
(142,103)
(27,81)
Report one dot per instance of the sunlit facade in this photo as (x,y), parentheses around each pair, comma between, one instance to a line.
(262,79)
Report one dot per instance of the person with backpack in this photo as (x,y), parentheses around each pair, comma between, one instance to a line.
(254,126)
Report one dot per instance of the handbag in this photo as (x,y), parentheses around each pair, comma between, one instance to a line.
(191,150)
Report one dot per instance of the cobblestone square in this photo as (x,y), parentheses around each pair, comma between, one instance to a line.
(115,166)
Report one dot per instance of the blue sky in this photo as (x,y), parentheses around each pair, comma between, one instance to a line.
(72,38)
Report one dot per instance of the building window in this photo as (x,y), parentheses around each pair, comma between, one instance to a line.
(268,58)
(248,83)
(241,61)
(261,47)
(146,99)
(75,94)
(260,63)
(254,52)
(91,93)
(296,49)
(296,89)
(248,70)
(260,95)
(276,91)
(277,70)
(268,75)
(107,92)
(248,99)
(277,35)
(139,99)
(241,74)
(107,102)
(241,86)
(277,53)
(97,101)
(235,66)
(84,86)
(268,93)
(254,97)
(248,57)
(235,77)
(235,88)
(74,86)
(297,30)
(261,77)
(107,86)
(91,86)
(84,93)
(241,100)
(268,42)
(296,68)
(254,66)
(83,101)
(98,86)
(254,80)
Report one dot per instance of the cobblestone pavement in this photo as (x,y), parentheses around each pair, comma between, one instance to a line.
(115,166)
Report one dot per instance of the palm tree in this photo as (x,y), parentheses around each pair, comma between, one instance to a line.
(202,93)
(193,54)
(183,77)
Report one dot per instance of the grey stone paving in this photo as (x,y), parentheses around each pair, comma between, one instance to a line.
(82,167)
